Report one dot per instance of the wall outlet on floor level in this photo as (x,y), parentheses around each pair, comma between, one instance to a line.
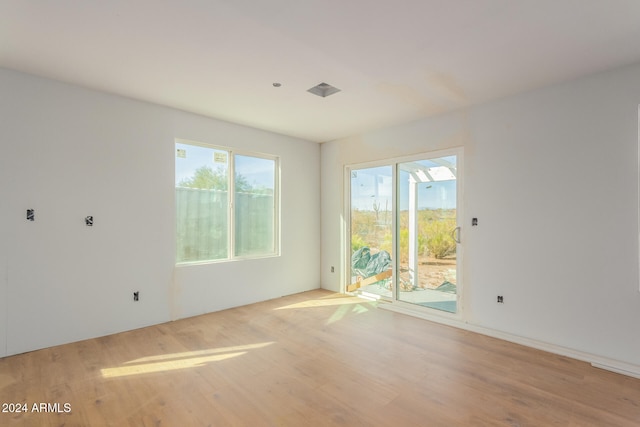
(136,296)
(500,299)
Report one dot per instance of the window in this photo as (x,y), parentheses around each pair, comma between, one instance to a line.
(220,218)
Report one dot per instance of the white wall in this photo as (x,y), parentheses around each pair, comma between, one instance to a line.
(68,152)
(552,177)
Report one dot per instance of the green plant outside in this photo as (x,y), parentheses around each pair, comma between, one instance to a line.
(435,227)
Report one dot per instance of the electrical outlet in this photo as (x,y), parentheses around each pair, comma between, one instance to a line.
(500,299)
(333,269)
(136,296)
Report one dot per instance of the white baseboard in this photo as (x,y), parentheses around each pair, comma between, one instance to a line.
(600,362)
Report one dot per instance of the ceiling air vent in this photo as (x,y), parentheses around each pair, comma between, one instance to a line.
(323,90)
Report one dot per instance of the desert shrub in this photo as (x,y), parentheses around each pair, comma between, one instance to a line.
(404,244)
(386,243)
(357,242)
(439,242)
(362,223)
(368,228)
(434,232)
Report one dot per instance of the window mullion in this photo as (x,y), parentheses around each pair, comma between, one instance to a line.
(231,210)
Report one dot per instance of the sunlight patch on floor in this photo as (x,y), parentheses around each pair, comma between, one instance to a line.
(147,368)
(176,361)
(343,310)
(324,302)
(196,353)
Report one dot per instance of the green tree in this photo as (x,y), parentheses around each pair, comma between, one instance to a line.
(207,178)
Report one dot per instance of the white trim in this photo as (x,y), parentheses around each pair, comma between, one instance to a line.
(617,367)
(460,209)
(394,162)
(596,361)
(231,208)
(395,248)
(345,238)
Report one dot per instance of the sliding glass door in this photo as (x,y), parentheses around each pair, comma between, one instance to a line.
(371,215)
(428,233)
(404,231)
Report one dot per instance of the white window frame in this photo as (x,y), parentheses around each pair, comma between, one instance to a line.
(232,152)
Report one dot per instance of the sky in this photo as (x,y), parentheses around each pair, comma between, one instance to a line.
(375,185)
(258,172)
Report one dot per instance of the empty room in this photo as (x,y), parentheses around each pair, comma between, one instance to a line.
(322,213)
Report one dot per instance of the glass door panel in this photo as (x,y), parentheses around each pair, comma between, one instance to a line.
(371,238)
(428,233)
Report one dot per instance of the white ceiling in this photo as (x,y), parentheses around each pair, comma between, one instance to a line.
(395,61)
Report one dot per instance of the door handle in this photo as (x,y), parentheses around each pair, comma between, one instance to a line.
(455,234)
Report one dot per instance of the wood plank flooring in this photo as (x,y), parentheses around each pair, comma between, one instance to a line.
(311,359)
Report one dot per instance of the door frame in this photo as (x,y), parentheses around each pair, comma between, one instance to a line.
(394,162)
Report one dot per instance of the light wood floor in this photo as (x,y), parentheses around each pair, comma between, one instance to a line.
(311,359)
